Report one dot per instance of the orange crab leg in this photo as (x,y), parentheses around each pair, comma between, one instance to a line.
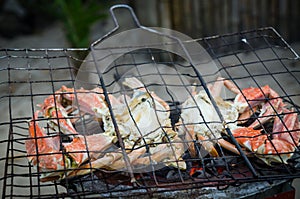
(288,128)
(43,150)
(228,146)
(208,146)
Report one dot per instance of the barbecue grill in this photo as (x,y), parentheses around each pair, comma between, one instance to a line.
(249,58)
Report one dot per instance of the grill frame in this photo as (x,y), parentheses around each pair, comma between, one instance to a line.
(217,46)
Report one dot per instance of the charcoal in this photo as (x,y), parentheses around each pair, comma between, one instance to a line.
(201,174)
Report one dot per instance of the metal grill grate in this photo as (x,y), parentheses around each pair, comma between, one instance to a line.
(250,58)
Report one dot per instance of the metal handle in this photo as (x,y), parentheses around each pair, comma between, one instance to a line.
(112,9)
(117,26)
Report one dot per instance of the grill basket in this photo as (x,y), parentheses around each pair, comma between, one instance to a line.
(250,58)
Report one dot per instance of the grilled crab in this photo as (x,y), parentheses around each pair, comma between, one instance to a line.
(45,152)
(200,121)
(144,121)
(144,127)
(144,117)
(52,156)
(279,144)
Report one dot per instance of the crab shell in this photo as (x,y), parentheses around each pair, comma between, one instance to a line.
(200,113)
(275,151)
(141,120)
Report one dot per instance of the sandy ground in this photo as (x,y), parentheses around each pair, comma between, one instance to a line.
(53,37)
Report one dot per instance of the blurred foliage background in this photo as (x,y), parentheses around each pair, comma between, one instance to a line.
(31,16)
(196,18)
(78,17)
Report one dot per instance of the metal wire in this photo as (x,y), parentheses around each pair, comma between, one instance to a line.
(237,51)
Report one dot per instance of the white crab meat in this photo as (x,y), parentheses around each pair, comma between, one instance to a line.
(143,119)
(202,115)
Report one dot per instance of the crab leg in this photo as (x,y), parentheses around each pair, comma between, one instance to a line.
(216,88)
(133,155)
(208,146)
(110,161)
(102,162)
(288,129)
(227,145)
(95,144)
(43,150)
(187,131)
(169,153)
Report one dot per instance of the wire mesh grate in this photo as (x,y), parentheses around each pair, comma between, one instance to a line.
(29,76)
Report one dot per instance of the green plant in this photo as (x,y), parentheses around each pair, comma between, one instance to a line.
(78,17)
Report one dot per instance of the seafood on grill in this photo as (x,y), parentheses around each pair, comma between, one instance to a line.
(143,125)
(147,117)
(144,118)
(200,121)
(53,157)
(91,102)
(249,100)
(276,146)
(45,152)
